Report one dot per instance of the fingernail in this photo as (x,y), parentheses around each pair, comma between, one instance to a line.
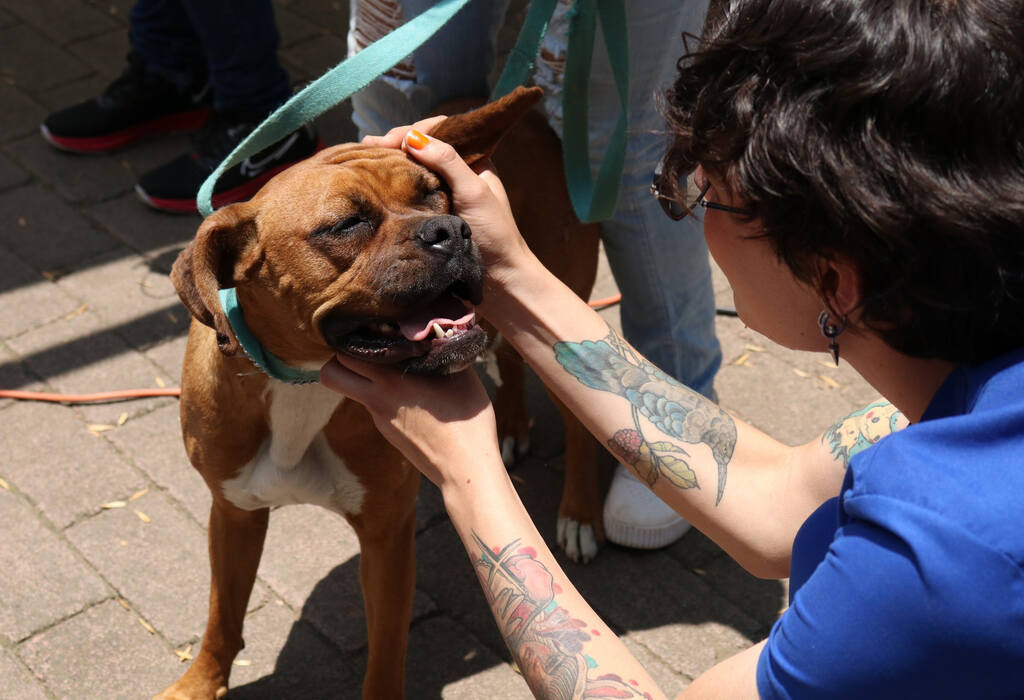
(416,140)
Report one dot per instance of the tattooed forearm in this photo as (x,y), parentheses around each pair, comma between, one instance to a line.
(545,640)
(611,365)
(862,429)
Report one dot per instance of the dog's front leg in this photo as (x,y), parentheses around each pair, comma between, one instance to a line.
(387,573)
(236,543)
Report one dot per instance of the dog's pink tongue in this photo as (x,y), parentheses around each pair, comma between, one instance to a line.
(420,327)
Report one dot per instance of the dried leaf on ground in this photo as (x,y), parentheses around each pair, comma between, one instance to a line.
(143,517)
(113,504)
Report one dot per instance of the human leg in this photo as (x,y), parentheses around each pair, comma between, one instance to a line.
(239,41)
(455,63)
(162,89)
(661,266)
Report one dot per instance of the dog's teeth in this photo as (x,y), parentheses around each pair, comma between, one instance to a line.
(438,331)
(449,333)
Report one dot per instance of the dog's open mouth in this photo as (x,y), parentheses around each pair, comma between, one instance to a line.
(440,337)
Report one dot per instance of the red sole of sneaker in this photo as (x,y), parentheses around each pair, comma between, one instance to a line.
(183,121)
(221,199)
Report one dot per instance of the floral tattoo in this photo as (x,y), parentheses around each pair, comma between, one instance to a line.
(862,429)
(546,641)
(611,365)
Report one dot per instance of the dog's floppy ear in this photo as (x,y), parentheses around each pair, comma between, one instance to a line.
(476,134)
(209,263)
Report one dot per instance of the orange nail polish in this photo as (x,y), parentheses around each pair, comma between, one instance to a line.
(416,140)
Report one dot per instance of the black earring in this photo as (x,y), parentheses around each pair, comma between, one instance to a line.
(830,331)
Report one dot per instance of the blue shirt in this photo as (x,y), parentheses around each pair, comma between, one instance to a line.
(910,584)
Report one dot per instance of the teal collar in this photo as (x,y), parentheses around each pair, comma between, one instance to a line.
(260,356)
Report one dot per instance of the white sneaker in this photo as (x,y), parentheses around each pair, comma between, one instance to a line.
(635,517)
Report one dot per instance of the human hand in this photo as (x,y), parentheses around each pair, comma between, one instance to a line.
(443,425)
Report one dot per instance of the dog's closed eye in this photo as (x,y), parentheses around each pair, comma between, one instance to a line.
(357,224)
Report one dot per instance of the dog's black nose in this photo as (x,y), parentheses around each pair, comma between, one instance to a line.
(446,234)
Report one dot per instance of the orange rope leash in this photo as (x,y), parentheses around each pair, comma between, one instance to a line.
(103,396)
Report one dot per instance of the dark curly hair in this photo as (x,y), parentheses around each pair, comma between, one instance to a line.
(884,132)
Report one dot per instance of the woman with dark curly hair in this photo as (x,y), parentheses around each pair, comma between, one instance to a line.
(859,165)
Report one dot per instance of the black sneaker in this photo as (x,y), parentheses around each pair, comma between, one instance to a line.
(136,106)
(173,187)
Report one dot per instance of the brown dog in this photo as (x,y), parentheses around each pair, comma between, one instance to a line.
(354,250)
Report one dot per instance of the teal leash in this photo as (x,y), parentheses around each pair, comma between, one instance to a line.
(267,361)
(592,200)
(332,87)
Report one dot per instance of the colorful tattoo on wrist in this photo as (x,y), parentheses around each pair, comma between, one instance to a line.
(676,410)
(862,429)
(545,640)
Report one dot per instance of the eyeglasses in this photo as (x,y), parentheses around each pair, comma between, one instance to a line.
(695,192)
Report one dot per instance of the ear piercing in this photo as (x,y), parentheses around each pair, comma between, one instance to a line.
(831,331)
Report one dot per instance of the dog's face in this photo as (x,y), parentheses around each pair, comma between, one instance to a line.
(354,251)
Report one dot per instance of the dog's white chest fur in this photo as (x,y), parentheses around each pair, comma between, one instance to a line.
(295,464)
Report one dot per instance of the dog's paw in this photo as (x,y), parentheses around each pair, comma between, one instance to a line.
(513,449)
(578,540)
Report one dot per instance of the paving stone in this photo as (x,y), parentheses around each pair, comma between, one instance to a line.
(79,472)
(307,667)
(11,175)
(335,125)
(14,375)
(41,229)
(123,289)
(160,567)
(762,599)
(64,22)
(44,579)
(101,653)
(689,633)
(266,631)
(159,237)
(170,354)
(153,444)
(761,392)
(33,63)
(669,682)
(76,178)
(320,574)
(445,661)
(78,354)
(20,115)
(105,53)
(17,682)
(70,93)
(30,300)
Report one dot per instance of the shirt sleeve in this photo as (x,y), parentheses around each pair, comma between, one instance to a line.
(903,605)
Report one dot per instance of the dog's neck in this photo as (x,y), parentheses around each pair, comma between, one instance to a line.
(267,361)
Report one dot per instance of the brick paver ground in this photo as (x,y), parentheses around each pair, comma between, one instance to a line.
(97,600)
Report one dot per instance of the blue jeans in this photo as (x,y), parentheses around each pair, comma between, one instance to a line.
(660,266)
(233,42)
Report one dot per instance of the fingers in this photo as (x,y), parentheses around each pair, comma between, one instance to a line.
(446,162)
(394,138)
(345,381)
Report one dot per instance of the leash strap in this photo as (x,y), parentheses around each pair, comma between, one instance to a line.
(332,87)
(267,361)
(592,201)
